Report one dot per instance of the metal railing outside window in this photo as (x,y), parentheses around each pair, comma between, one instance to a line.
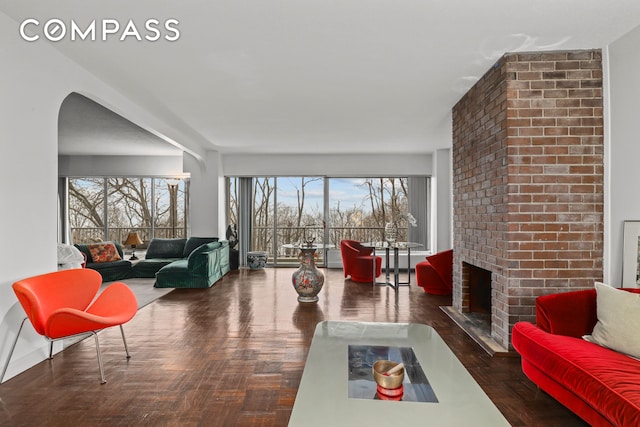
(283,210)
(110,208)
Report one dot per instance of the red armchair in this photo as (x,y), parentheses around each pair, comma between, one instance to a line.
(435,275)
(357,261)
(64,304)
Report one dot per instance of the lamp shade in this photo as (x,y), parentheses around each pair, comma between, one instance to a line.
(133,239)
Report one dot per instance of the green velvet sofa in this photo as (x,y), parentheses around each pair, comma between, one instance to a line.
(201,269)
(196,262)
(110,271)
(162,252)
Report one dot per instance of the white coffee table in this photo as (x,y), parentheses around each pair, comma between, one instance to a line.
(323,396)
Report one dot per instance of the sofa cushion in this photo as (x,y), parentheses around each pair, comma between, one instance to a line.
(104,252)
(110,271)
(179,267)
(149,267)
(84,248)
(165,248)
(177,275)
(618,315)
(194,242)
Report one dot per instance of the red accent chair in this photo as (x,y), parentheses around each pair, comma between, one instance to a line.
(357,261)
(435,275)
(61,304)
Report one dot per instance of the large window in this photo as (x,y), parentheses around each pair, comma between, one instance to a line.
(263,219)
(291,209)
(360,208)
(86,209)
(110,208)
(169,211)
(128,207)
(299,214)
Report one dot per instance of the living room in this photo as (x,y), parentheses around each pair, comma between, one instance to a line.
(37,78)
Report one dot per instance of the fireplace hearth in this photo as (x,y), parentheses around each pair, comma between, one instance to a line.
(476,319)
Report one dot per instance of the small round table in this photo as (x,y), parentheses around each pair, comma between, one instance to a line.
(396,246)
(307,279)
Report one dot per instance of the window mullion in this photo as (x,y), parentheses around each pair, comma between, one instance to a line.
(105,202)
(275,222)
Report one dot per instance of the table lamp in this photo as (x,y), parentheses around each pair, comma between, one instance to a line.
(133,239)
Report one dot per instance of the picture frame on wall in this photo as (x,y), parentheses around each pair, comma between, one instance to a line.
(631,255)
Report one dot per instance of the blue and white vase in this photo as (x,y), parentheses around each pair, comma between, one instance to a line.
(256,260)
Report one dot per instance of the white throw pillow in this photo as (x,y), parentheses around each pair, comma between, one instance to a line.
(618,323)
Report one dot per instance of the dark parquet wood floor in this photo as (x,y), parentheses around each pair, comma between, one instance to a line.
(233,355)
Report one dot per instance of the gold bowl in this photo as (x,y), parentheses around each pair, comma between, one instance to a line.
(387,381)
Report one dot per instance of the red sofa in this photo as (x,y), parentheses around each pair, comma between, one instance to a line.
(435,275)
(600,385)
(357,261)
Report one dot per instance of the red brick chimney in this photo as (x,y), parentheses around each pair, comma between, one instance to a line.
(528,182)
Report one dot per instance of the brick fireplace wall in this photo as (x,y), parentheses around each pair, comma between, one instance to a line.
(528,181)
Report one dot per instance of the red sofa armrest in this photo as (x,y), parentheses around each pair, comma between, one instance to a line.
(572,314)
(569,313)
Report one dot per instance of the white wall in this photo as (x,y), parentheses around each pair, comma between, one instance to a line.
(34,80)
(443,201)
(356,165)
(205,209)
(161,166)
(623,152)
(28,138)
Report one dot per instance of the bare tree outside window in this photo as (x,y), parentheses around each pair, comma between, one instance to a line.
(86,209)
(300,213)
(263,200)
(128,207)
(358,209)
(149,206)
(169,208)
(232,201)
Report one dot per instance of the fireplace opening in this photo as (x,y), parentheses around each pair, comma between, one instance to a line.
(475,314)
(479,283)
(476,282)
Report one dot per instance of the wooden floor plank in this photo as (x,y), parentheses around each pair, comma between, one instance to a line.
(233,355)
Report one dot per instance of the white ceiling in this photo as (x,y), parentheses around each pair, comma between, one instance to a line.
(312,76)
(87,128)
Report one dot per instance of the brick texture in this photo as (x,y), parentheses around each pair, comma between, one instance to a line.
(528,181)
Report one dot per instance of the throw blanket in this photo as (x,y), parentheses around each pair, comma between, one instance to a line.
(69,257)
